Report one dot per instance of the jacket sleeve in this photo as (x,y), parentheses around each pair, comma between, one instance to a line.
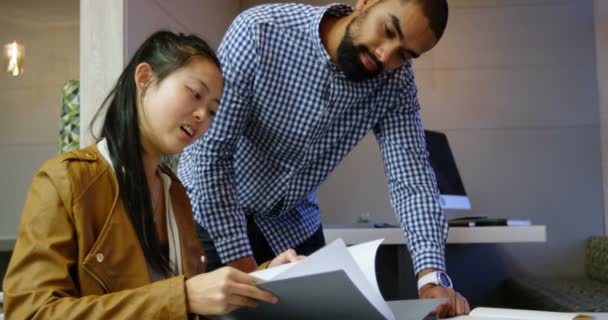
(42,283)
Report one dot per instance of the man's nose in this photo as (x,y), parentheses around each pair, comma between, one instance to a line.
(380,54)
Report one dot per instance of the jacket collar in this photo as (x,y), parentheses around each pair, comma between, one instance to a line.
(110,238)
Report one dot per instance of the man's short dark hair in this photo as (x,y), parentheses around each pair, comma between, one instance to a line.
(437,13)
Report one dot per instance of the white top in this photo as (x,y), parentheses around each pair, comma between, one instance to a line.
(175,256)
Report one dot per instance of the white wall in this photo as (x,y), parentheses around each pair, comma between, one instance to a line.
(31,103)
(132,21)
(208,19)
(601,49)
(55,42)
(102,51)
(513,84)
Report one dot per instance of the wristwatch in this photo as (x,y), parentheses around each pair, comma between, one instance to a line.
(439,278)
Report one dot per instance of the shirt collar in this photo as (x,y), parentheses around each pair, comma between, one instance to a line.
(334,9)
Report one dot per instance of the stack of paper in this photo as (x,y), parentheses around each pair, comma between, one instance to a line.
(335,282)
(516,314)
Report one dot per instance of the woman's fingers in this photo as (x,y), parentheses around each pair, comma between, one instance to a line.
(223,290)
(252,292)
(237,301)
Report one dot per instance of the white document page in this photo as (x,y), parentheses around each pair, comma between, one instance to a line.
(514,314)
(271,273)
(364,255)
(336,256)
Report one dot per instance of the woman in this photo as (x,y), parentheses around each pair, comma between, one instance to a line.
(106,231)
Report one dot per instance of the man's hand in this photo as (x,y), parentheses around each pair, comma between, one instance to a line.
(287,256)
(455,306)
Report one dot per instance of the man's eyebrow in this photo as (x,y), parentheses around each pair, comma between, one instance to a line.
(396,25)
(395,22)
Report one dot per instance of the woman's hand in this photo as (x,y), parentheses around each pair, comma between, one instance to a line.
(287,256)
(222,291)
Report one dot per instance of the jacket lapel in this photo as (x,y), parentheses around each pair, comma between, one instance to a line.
(192,251)
(116,258)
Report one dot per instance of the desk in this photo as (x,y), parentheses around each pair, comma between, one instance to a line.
(351,234)
(7,243)
(395,271)
(596,315)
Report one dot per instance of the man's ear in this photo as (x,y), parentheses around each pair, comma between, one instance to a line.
(143,75)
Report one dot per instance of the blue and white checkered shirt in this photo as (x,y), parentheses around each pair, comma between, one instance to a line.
(286,119)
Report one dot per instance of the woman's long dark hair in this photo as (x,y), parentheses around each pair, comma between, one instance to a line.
(165,52)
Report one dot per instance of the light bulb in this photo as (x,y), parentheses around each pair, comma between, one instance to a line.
(14,54)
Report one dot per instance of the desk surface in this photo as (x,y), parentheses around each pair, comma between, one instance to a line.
(7,243)
(353,235)
(596,316)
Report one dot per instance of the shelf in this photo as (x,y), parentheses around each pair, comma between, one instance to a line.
(7,243)
(464,235)
(456,235)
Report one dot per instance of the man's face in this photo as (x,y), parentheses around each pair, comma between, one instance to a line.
(383,36)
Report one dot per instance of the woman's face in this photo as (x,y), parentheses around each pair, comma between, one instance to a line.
(178,110)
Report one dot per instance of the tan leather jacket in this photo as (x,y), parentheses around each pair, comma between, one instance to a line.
(77,255)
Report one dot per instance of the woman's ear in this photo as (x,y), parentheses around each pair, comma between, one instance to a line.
(360,5)
(143,75)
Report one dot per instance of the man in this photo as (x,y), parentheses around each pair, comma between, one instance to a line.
(303,85)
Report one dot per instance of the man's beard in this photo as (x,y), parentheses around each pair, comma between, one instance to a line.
(349,62)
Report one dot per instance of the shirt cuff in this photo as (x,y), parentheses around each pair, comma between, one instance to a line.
(233,248)
(428,258)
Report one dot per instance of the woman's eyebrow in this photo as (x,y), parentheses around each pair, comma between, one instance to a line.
(204,85)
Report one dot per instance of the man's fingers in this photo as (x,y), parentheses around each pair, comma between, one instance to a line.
(442,309)
(295,258)
(467,308)
(455,305)
(451,310)
(447,308)
(460,307)
(291,255)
